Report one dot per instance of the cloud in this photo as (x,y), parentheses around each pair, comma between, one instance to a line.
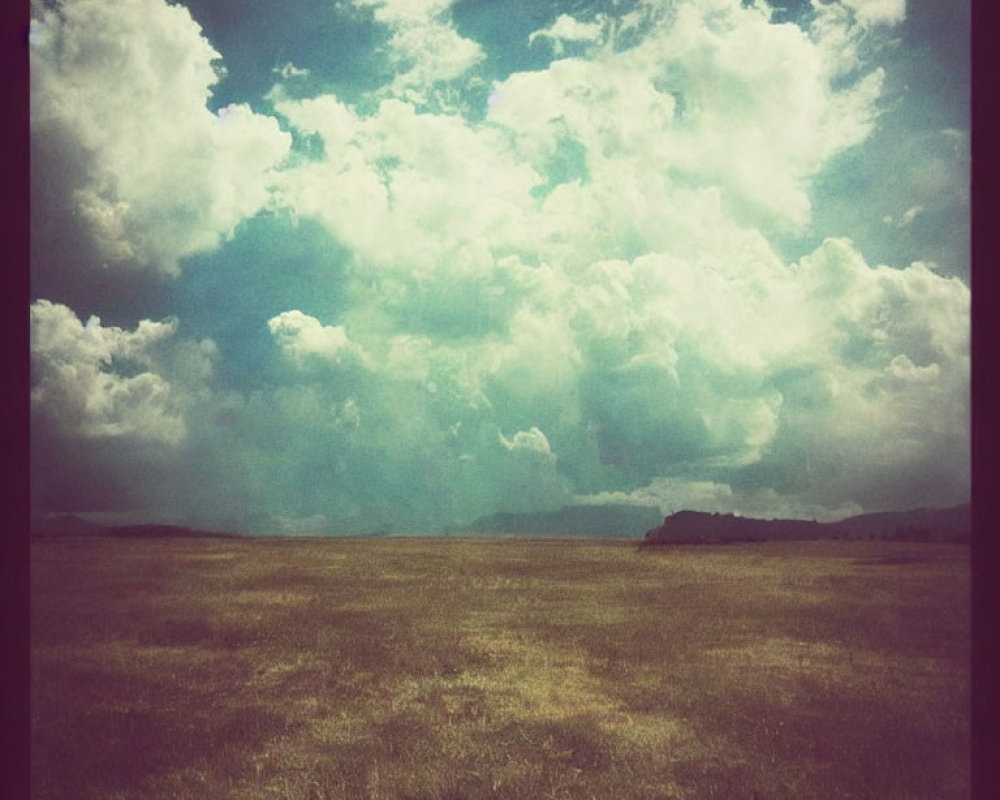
(905,219)
(302,337)
(530,441)
(424,48)
(569,29)
(846,30)
(551,258)
(94,382)
(878,12)
(119,121)
(633,148)
(289,70)
(677,494)
(427,192)
(607,284)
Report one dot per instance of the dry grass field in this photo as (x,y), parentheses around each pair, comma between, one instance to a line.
(420,669)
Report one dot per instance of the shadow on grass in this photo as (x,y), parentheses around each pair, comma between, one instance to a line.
(119,733)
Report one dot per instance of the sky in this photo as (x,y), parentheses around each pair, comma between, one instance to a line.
(342,266)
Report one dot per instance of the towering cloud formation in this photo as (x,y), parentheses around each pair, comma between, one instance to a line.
(118,101)
(598,280)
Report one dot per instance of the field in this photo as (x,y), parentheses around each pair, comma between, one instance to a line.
(392,669)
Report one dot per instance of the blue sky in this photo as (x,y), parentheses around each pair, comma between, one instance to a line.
(343,265)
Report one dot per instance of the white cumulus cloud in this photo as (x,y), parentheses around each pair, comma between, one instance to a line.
(301,336)
(119,92)
(567,28)
(99,381)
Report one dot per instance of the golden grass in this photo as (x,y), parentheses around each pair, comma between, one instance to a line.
(430,669)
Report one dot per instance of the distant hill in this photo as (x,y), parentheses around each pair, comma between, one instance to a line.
(923,525)
(935,524)
(165,532)
(72,525)
(612,520)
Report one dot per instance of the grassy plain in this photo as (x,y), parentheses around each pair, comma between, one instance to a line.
(420,669)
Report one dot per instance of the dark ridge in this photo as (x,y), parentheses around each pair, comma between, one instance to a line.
(72,525)
(612,520)
(923,525)
(165,532)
